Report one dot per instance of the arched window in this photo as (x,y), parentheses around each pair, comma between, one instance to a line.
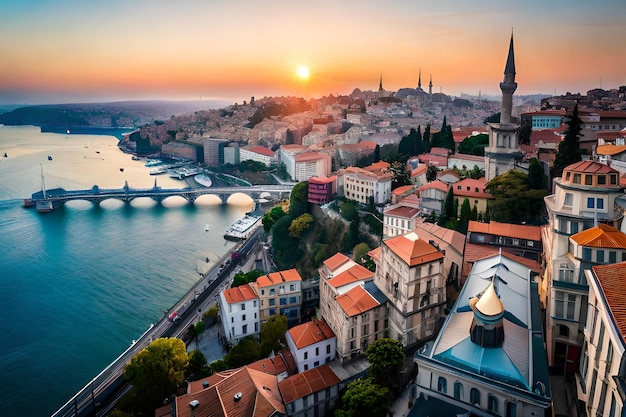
(563,330)
(492,403)
(474,396)
(511,409)
(458,390)
(442,385)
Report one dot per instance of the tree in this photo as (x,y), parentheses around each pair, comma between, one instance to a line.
(273,334)
(536,175)
(474,145)
(385,356)
(300,224)
(376,156)
(194,331)
(348,210)
(464,217)
(298,200)
(197,367)
(448,206)
(569,148)
(401,176)
(426,139)
(431,173)
(514,201)
(364,397)
(242,278)
(272,216)
(243,353)
(360,251)
(156,371)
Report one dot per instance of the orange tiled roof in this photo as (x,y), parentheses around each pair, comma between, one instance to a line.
(601,236)
(610,149)
(307,383)
(611,280)
(437,184)
(468,187)
(239,294)
(402,190)
(589,167)
(274,278)
(311,332)
(474,252)
(323,180)
(403,211)
(353,274)
(506,229)
(262,150)
(356,301)
(336,261)
(273,366)
(413,250)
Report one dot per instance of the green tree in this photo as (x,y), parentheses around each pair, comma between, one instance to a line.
(385,356)
(273,334)
(569,148)
(348,210)
(474,145)
(298,200)
(360,251)
(464,217)
(514,201)
(197,367)
(448,206)
(431,173)
(156,371)
(401,176)
(301,224)
(536,175)
(272,217)
(194,331)
(363,397)
(242,278)
(376,156)
(426,139)
(243,353)
(407,145)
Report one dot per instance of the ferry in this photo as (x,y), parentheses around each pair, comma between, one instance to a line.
(243,227)
(184,172)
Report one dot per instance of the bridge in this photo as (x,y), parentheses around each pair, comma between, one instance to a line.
(56,197)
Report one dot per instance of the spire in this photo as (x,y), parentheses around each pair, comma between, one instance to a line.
(419,80)
(380,86)
(430,87)
(509,69)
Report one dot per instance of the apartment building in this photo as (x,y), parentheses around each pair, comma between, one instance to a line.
(600,384)
(213,151)
(584,196)
(364,186)
(239,312)
(311,393)
(279,293)
(409,273)
(474,190)
(322,189)
(432,195)
(312,344)
(257,153)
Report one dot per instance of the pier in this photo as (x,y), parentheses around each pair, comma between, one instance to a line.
(54,198)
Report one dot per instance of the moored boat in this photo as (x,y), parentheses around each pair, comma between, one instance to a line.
(243,227)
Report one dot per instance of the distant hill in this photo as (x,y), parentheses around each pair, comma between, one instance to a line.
(123,114)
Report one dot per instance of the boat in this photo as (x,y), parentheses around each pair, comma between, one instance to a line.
(49,157)
(158,170)
(135,158)
(203,179)
(121,169)
(243,227)
(206,229)
(45,205)
(184,172)
(154,162)
(28,202)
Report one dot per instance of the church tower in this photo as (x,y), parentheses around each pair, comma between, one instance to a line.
(504,152)
(380,85)
(419,80)
(430,87)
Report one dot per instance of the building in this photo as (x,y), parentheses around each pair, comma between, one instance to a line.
(602,379)
(312,343)
(258,153)
(474,190)
(450,242)
(311,393)
(180,150)
(279,293)
(322,189)
(584,196)
(613,155)
(518,239)
(489,357)
(401,218)
(409,273)
(544,119)
(503,152)
(432,195)
(364,186)
(287,156)
(231,154)
(239,312)
(213,151)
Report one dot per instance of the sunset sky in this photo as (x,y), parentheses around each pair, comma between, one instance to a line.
(54,51)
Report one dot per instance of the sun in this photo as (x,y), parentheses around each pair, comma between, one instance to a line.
(303,73)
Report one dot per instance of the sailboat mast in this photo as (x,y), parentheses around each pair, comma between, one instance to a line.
(43,183)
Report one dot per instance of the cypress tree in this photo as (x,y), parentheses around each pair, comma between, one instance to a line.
(569,148)
(426,138)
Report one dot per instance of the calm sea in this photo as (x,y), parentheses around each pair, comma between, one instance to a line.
(79,284)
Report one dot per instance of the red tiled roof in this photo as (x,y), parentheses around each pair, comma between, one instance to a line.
(311,332)
(610,149)
(403,189)
(412,250)
(273,366)
(403,211)
(239,294)
(589,167)
(336,261)
(307,383)
(506,229)
(353,274)
(601,236)
(262,150)
(323,180)
(469,186)
(474,252)
(278,277)
(356,301)
(612,278)
(436,160)
(437,184)
(310,156)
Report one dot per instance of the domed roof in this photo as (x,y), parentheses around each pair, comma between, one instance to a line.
(487,307)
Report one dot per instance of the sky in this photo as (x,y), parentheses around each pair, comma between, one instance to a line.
(60,51)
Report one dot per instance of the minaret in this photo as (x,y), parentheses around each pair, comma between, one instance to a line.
(419,80)
(430,87)
(504,152)
(508,86)
(380,86)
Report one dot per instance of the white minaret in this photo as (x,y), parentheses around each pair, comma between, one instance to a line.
(504,152)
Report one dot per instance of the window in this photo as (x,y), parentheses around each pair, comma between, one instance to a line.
(569,199)
(612,257)
(576,179)
(601,179)
(327,348)
(317,351)
(316,363)
(292,287)
(586,254)
(306,355)
(244,329)
(306,367)
(475,396)
(442,385)
(272,311)
(590,202)
(243,306)
(600,203)
(254,303)
(563,330)
(243,317)
(458,390)
(600,256)
(565,305)
(293,300)
(588,179)
(283,301)
(272,301)
(566,275)
(492,403)
(511,409)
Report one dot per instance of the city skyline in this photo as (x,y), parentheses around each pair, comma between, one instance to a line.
(71,51)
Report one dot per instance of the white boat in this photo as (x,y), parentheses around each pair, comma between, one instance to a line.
(243,227)
(158,170)
(203,179)
(184,172)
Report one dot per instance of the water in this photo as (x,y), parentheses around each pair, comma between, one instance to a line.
(79,284)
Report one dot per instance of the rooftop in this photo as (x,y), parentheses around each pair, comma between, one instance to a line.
(601,236)
(311,332)
(275,278)
(611,280)
(413,250)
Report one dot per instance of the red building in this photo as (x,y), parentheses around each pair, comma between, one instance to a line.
(321,189)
